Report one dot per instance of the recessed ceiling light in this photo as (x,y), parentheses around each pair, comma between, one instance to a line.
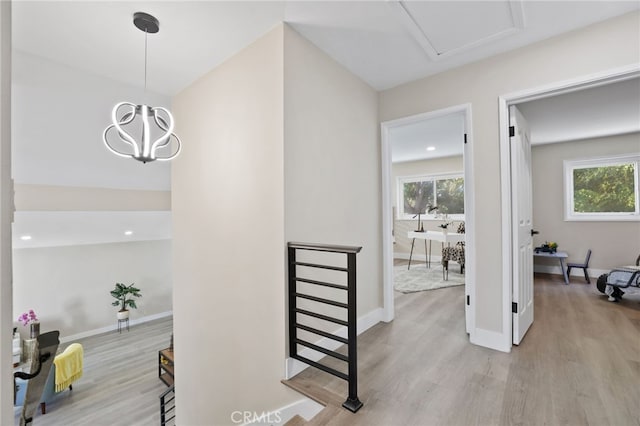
(128,232)
(431,148)
(25,237)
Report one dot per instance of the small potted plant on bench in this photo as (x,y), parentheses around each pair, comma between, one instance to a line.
(125,298)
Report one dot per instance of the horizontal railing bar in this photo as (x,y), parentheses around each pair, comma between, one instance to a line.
(322,317)
(322,283)
(322,367)
(322,333)
(164,408)
(322,300)
(167,392)
(325,247)
(323,350)
(315,265)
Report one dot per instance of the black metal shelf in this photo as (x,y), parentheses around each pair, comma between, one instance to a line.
(165,366)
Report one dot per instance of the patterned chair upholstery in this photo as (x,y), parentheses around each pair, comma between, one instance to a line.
(455,253)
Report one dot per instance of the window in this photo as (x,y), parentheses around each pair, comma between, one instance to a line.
(604,188)
(416,194)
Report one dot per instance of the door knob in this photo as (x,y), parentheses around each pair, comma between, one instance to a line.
(534,232)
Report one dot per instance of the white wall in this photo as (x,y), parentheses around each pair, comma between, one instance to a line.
(613,243)
(610,44)
(228,234)
(59,114)
(6,212)
(68,287)
(332,161)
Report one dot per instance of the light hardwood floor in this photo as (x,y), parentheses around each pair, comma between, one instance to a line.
(579,364)
(120,384)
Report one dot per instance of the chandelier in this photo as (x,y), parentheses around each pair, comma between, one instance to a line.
(153,124)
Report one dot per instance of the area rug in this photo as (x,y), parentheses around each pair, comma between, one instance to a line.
(421,278)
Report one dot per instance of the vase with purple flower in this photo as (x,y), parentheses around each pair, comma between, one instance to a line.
(30,319)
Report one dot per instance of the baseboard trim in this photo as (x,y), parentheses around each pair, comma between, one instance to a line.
(490,339)
(365,322)
(114,327)
(435,258)
(575,272)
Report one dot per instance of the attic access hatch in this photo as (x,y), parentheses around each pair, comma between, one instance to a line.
(445,28)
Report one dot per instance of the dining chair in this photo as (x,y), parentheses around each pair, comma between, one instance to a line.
(582,266)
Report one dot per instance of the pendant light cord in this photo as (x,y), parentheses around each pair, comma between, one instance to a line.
(145,60)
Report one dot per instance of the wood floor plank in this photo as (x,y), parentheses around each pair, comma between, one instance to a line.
(577,365)
(120,384)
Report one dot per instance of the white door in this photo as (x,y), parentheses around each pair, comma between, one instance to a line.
(521,225)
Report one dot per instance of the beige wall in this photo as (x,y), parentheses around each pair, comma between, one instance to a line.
(597,48)
(332,161)
(66,198)
(613,243)
(6,213)
(228,236)
(283,146)
(68,287)
(402,244)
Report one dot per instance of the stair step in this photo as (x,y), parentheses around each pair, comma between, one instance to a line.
(317,393)
(296,420)
(325,416)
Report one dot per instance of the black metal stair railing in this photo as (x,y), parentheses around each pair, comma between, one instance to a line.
(167,407)
(352,403)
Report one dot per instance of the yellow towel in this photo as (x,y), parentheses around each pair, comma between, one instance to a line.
(68,366)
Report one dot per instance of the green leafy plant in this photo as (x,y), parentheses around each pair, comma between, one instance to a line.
(604,189)
(125,295)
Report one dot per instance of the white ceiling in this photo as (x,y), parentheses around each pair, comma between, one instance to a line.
(600,111)
(410,142)
(386,43)
(48,229)
(606,110)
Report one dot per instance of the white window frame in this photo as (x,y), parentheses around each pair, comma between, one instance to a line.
(401,180)
(611,160)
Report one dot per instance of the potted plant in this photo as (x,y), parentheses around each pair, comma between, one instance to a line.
(125,298)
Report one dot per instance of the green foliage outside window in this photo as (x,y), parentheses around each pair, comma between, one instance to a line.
(447,194)
(451,195)
(417,196)
(605,189)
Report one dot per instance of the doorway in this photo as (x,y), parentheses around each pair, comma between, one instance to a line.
(387,128)
(513,263)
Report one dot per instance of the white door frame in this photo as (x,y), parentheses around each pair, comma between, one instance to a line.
(387,216)
(504,101)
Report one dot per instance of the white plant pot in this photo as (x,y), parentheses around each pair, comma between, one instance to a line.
(122,315)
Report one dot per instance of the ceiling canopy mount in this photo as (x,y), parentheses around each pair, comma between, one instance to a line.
(146,23)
